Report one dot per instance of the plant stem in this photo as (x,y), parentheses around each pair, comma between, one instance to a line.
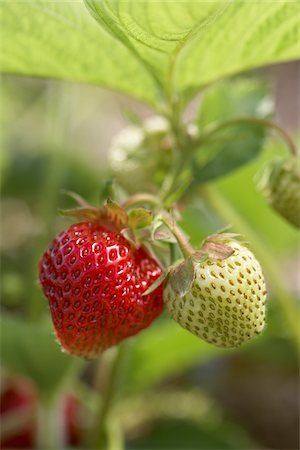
(98,437)
(185,247)
(48,435)
(227,212)
(181,147)
(142,197)
(255,121)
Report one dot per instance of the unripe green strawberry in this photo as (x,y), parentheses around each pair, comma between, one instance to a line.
(279,183)
(225,304)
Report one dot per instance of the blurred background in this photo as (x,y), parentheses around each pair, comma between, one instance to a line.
(177,392)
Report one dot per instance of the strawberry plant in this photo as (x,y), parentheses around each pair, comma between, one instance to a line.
(147,282)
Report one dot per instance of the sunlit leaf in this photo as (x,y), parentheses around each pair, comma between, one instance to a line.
(149,50)
(188,44)
(53,39)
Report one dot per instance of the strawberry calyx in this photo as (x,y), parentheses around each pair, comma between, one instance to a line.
(113,216)
(216,246)
(110,214)
(182,274)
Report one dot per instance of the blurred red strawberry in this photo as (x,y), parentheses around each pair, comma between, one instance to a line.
(18,409)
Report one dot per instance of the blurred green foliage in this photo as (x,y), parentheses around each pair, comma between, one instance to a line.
(35,169)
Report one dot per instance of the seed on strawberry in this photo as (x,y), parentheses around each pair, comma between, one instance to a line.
(225,304)
(279,182)
(94,281)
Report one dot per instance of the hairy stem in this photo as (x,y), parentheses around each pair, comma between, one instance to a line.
(227,212)
(185,247)
(142,197)
(98,438)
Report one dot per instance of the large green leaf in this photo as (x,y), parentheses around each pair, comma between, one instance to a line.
(31,349)
(61,40)
(146,48)
(241,36)
(188,44)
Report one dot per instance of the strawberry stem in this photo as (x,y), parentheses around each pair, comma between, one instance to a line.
(47,435)
(142,197)
(97,438)
(186,249)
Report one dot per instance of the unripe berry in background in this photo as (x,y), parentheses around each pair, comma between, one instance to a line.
(18,411)
(279,183)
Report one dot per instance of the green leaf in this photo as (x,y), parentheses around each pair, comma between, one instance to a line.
(238,36)
(53,39)
(149,50)
(165,349)
(227,149)
(31,349)
(186,45)
(233,98)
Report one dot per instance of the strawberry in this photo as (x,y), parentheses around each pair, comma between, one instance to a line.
(17,409)
(71,413)
(94,281)
(279,183)
(225,302)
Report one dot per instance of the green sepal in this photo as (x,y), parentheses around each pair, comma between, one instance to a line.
(108,189)
(140,218)
(81,213)
(200,256)
(78,199)
(222,237)
(216,250)
(162,233)
(114,213)
(130,237)
(181,276)
(156,283)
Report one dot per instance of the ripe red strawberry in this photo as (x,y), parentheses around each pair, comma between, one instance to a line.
(94,281)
